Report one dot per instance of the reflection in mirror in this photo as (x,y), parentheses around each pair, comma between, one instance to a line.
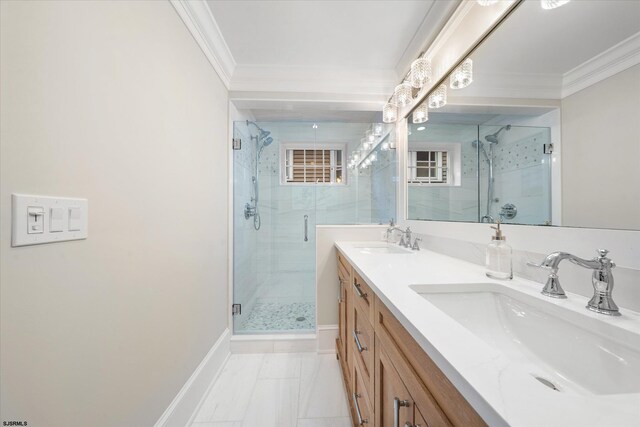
(548,133)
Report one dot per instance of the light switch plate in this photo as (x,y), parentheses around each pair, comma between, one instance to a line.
(54,219)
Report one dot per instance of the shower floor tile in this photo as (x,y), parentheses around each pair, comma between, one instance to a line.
(279,316)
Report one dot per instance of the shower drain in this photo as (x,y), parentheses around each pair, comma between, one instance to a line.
(301,319)
(546,382)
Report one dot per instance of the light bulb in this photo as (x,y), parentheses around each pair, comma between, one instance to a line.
(389,113)
(420,72)
(421,114)
(438,97)
(377,129)
(462,75)
(402,94)
(384,146)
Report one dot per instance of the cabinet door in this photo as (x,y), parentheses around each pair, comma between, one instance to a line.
(342,316)
(393,404)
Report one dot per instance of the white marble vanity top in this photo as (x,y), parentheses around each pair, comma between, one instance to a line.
(502,388)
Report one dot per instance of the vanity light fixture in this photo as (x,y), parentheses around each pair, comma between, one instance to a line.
(421,113)
(552,4)
(438,98)
(462,75)
(487,2)
(389,113)
(403,94)
(420,72)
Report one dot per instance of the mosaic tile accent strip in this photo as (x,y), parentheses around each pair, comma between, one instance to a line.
(266,317)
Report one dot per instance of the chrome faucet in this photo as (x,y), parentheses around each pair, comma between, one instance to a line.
(602,279)
(407,233)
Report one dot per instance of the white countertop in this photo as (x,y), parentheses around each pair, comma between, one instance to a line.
(500,392)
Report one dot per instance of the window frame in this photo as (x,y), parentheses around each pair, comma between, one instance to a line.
(454,168)
(327,146)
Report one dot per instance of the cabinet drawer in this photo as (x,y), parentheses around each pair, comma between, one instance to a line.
(363,297)
(361,400)
(362,347)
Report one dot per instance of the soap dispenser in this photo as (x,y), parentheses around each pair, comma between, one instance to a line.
(499,253)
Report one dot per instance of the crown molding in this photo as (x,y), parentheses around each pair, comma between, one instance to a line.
(255,78)
(434,21)
(612,61)
(200,22)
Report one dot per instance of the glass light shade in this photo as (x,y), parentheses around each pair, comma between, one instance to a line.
(389,113)
(384,146)
(402,94)
(377,129)
(373,156)
(552,4)
(356,156)
(438,97)
(370,136)
(421,114)
(365,144)
(487,2)
(462,75)
(420,72)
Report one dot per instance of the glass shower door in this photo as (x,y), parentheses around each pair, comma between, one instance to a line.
(274,229)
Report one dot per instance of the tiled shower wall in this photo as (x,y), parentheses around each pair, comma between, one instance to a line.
(450,203)
(275,264)
(522,174)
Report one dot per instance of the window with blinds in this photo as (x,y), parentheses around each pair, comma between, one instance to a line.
(313,166)
(428,167)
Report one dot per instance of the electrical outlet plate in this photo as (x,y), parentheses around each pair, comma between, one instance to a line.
(58,230)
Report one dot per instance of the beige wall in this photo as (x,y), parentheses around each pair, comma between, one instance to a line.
(601,154)
(112,101)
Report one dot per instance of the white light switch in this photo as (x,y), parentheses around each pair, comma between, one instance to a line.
(56,220)
(75,218)
(44,219)
(35,220)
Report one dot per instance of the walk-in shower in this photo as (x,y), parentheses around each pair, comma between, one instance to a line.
(262,140)
(491,140)
(289,177)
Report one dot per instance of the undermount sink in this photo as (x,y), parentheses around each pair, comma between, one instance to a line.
(565,350)
(381,248)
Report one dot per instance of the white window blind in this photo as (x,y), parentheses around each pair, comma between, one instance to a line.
(313,166)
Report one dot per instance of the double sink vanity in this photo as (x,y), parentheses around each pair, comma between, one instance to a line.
(428,340)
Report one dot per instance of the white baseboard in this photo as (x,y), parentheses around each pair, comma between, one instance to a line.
(273,343)
(188,400)
(327,335)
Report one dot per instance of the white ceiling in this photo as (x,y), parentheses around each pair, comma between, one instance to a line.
(345,34)
(533,51)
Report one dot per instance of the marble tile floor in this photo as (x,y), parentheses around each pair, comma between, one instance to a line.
(280,316)
(276,389)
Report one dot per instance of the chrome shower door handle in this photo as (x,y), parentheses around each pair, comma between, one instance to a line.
(306,228)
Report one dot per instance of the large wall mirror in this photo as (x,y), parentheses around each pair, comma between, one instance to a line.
(548,133)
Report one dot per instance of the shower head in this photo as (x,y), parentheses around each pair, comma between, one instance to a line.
(263,133)
(267,141)
(493,138)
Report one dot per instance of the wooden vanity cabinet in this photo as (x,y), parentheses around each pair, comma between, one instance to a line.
(387,372)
